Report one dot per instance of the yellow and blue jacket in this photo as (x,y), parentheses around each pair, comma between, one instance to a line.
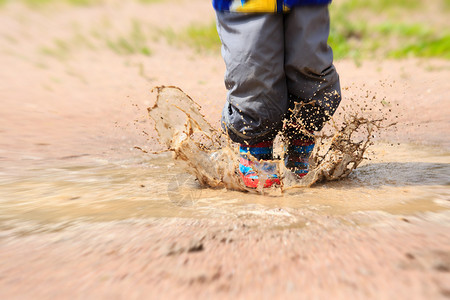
(253,6)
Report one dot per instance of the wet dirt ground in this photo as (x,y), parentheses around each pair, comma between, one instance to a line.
(84,214)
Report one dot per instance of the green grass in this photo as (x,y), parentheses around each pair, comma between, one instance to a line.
(135,42)
(360,40)
(168,34)
(446,4)
(381,5)
(430,47)
(354,35)
(60,49)
(202,37)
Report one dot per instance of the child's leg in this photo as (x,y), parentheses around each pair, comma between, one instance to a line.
(257,101)
(310,73)
(253,50)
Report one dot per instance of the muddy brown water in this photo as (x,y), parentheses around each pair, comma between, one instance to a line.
(198,180)
(399,180)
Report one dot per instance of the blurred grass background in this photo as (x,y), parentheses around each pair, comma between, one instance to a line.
(389,29)
(360,29)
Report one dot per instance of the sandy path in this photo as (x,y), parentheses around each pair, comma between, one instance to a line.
(94,103)
(406,259)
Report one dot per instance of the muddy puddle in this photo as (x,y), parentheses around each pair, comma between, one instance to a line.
(398,180)
(196,178)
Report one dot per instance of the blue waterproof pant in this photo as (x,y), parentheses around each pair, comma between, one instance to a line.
(273,61)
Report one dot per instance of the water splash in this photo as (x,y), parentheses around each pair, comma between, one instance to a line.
(213,159)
